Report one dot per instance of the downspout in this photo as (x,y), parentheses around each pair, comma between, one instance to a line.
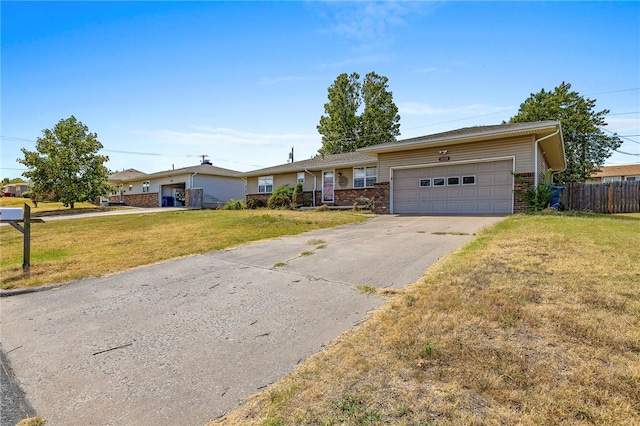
(191,190)
(244,179)
(313,198)
(535,156)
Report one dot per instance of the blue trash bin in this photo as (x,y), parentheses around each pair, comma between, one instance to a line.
(556,193)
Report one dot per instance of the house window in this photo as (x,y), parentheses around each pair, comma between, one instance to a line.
(453,181)
(265,184)
(633,178)
(300,177)
(612,179)
(424,182)
(468,180)
(438,181)
(145,186)
(364,177)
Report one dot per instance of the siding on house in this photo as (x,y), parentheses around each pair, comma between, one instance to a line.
(522,148)
(219,190)
(543,166)
(291,179)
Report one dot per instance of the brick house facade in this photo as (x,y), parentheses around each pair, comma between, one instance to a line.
(464,171)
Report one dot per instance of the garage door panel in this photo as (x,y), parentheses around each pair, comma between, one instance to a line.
(490,192)
(502,178)
(501,192)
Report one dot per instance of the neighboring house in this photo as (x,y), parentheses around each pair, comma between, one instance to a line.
(336,179)
(464,171)
(623,173)
(198,186)
(16,189)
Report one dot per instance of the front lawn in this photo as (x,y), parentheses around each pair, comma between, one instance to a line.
(535,322)
(80,248)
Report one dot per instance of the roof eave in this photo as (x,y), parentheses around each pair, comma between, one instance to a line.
(457,139)
(302,168)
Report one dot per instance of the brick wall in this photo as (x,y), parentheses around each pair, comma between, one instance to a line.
(381,198)
(149,199)
(518,205)
(263,197)
(347,197)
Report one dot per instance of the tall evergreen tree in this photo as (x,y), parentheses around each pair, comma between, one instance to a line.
(343,129)
(586,146)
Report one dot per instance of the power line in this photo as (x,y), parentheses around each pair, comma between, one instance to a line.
(613,91)
(622,137)
(626,153)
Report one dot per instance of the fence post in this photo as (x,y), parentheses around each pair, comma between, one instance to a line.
(26,247)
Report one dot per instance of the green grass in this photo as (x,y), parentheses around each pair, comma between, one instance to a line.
(536,321)
(80,248)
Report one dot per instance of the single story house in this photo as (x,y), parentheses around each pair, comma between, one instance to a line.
(335,180)
(16,189)
(622,173)
(203,186)
(464,171)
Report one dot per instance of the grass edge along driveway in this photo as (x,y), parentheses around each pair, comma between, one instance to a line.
(75,249)
(537,321)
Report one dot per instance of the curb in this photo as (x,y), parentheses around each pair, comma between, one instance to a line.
(18,291)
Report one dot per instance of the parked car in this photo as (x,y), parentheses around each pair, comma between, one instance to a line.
(7,194)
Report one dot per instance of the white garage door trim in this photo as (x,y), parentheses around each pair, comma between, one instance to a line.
(512,158)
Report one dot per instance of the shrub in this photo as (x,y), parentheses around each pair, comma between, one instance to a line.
(297,197)
(537,198)
(26,194)
(279,201)
(366,202)
(234,205)
(283,190)
(254,203)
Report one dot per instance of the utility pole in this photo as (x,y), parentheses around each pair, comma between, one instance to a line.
(291,155)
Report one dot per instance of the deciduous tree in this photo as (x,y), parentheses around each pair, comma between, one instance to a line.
(66,165)
(586,145)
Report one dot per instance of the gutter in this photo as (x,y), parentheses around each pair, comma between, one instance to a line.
(536,144)
(313,198)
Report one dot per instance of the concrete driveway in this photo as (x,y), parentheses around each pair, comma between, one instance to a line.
(184,341)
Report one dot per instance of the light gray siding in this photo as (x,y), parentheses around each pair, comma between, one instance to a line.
(217,190)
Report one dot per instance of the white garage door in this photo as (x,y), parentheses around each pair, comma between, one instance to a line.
(470,188)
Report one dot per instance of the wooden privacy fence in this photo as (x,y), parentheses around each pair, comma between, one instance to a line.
(614,197)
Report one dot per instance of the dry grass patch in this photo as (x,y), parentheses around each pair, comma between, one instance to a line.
(535,322)
(74,249)
(45,208)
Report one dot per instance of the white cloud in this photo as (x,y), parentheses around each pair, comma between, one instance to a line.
(423,109)
(370,23)
(620,125)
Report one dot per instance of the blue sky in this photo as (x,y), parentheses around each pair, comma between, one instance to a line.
(243,82)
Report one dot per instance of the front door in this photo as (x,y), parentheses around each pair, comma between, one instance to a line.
(327,186)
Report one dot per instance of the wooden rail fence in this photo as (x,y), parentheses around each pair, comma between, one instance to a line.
(614,197)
